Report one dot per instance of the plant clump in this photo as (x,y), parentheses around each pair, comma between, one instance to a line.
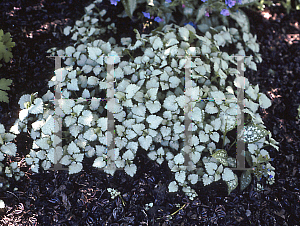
(150,100)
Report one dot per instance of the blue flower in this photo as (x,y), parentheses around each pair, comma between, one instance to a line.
(192,24)
(147,15)
(203,0)
(225,12)
(114,2)
(157,19)
(270,176)
(240,2)
(230,3)
(168,1)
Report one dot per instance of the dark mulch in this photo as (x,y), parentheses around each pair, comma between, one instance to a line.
(56,198)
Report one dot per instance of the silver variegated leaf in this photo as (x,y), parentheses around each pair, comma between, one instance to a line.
(253,133)
(245,179)
(221,156)
(232,184)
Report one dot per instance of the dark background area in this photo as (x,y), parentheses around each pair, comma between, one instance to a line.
(56,198)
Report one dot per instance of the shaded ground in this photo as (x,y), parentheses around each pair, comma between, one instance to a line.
(59,199)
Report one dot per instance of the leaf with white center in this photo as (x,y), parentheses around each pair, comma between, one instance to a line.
(75,168)
(245,179)
(72,148)
(138,128)
(215,137)
(178,128)
(131,90)
(37,107)
(157,44)
(154,121)
(130,169)
(210,108)
(9,149)
(218,97)
(51,126)
(171,42)
(139,110)
(94,52)
(153,106)
(203,137)
(195,156)
(184,33)
(264,101)
(210,167)
(196,114)
(152,93)
(221,156)
(145,142)
(90,135)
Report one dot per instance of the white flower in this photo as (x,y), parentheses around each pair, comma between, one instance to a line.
(218,97)
(180,176)
(78,157)
(75,167)
(48,96)
(195,156)
(228,175)
(193,178)
(173,187)
(196,114)
(70,120)
(128,155)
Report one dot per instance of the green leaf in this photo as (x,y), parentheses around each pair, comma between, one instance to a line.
(245,179)
(5,83)
(248,158)
(221,156)
(129,6)
(232,184)
(3,96)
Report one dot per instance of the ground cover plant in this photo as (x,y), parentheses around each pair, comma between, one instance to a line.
(33,105)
